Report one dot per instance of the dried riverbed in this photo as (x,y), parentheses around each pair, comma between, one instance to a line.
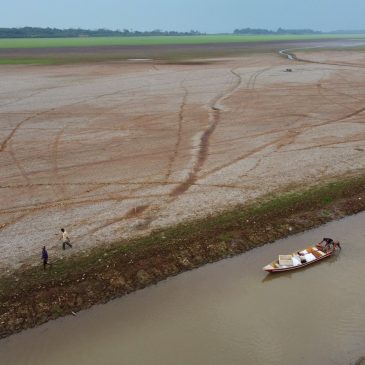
(116,150)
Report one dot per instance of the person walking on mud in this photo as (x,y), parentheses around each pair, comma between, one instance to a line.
(65,239)
(44,257)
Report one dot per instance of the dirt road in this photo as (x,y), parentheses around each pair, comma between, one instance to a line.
(117,149)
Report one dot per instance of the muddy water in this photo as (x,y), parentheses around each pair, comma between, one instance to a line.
(225,313)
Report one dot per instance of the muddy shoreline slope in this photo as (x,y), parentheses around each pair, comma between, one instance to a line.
(30,296)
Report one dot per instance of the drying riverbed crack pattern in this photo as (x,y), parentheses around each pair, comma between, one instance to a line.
(124,150)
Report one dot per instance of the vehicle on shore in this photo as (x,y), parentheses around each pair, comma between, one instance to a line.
(303,258)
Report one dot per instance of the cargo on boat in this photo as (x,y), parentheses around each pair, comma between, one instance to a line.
(303,258)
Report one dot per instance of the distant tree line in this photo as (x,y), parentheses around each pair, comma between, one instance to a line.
(349,31)
(33,32)
(279,31)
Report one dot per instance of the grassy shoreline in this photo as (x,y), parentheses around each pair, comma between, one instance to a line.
(30,296)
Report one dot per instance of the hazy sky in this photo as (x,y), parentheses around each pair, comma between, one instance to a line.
(210,16)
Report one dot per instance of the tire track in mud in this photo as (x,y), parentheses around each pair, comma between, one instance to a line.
(146,84)
(76,202)
(290,137)
(257,164)
(154,67)
(345,117)
(200,150)
(341,119)
(19,166)
(359,138)
(291,134)
(321,89)
(17,100)
(14,130)
(98,185)
(13,221)
(292,56)
(60,188)
(136,211)
(128,157)
(132,213)
(36,92)
(348,65)
(203,149)
(78,102)
(23,172)
(251,85)
(8,139)
(67,203)
(54,160)
(244,156)
(179,132)
(201,155)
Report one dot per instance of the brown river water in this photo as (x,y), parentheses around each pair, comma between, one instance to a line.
(230,312)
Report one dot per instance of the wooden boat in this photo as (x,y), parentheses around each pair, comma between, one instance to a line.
(299,259)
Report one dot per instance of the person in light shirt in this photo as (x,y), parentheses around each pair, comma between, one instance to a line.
(65,239)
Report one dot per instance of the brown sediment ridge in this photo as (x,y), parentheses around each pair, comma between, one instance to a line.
(30,296)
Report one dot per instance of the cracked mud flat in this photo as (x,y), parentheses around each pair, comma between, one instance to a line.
(116,150)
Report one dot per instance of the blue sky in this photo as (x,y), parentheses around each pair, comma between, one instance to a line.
(210,16)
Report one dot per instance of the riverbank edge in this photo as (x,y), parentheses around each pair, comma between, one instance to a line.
(30,296)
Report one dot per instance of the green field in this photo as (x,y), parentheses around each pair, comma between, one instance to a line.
(52,51)
(160,40)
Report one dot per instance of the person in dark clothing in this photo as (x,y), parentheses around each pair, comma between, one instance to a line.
(44,257)
(329,244)
(337,244)
(329,241)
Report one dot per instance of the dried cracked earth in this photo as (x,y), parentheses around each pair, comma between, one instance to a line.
(115,150)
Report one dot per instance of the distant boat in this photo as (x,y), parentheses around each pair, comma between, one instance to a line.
(300,259)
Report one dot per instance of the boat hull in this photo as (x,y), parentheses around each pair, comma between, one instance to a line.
(272,269)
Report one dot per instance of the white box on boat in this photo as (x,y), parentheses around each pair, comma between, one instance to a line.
(285,260)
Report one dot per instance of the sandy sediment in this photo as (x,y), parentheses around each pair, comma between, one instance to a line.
(112,151)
